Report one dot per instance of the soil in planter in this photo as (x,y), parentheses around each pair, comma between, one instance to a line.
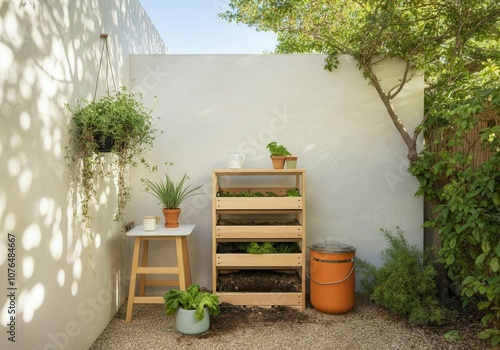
(259,281)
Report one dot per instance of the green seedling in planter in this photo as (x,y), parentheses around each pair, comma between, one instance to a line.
(277,150)
(191,299)
(268,247)
(293,192)
(287,247)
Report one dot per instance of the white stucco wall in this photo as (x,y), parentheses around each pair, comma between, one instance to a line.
(335,123)
(49,51)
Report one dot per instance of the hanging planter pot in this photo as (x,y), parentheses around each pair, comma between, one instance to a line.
(104,143)
(117,122)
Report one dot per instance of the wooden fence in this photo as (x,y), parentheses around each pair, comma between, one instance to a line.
(472,146)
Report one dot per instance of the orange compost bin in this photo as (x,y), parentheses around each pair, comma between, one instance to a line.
(332,277)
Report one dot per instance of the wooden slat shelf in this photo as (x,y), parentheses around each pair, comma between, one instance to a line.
(276,211)
(258,203)
(258,211)
(244,172)
(263,299)
(253,233)
(258,260)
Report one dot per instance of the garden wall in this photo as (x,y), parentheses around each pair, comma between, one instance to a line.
(49,52)
(209,105)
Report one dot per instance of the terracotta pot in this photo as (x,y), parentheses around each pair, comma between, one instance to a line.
(278,162)
(171,217)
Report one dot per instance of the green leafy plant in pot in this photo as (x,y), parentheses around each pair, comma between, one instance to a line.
(192,308)
(119,123)
(171,195)
(278,154)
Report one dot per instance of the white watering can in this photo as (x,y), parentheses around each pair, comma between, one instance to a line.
(235,160)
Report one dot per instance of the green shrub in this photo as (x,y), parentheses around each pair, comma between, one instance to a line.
(404,284)
(469,226)
(467,220)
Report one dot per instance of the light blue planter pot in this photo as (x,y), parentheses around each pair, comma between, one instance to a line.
(186,323)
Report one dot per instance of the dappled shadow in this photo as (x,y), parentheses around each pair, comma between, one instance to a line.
(50,52)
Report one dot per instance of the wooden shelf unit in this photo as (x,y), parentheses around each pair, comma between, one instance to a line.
(265,209)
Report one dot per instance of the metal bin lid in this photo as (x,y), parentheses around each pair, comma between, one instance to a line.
(332,247)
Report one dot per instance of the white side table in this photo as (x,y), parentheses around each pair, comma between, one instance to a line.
(141,268)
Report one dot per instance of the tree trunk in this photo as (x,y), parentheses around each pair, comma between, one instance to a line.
(432,243)
(410,142)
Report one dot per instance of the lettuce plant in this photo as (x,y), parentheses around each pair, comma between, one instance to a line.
(191,299)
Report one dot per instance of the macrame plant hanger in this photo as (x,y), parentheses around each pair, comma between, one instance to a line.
(109,68)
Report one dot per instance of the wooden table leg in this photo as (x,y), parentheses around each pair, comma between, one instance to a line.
(179,246)
(185,254)
(144,262)
(133,276)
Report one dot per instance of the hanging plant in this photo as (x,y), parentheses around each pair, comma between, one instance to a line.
(119,121)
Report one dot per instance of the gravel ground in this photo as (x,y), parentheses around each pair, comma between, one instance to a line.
(366,326)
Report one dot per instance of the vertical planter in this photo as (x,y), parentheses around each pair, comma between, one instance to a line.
(186,323)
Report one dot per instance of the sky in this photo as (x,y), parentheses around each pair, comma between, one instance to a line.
(194,27)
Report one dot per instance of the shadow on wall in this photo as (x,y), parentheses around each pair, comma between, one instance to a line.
(49,56)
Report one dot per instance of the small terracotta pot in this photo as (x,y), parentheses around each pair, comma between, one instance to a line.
(278,162)
(171,217)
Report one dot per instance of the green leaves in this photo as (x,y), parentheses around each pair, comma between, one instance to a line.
(496,198)
(468,222)
(269,247)
(192,299)
(170,194)
(277,150)
(494,264)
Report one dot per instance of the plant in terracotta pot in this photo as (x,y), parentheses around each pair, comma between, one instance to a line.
(171,195)
(278,154)
(192,308)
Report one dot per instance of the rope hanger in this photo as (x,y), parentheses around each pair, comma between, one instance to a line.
(109,68)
